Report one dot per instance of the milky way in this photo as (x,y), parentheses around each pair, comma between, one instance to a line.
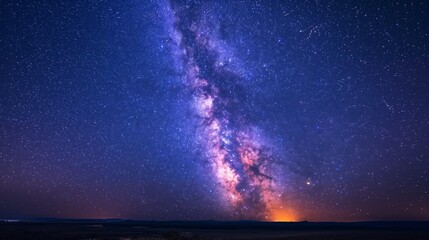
(240,159)
(225,110)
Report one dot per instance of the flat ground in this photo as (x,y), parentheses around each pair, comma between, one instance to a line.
(119,229)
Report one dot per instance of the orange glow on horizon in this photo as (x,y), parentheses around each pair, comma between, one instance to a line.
(283,215)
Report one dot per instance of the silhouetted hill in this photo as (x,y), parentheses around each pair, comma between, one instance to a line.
(52,228)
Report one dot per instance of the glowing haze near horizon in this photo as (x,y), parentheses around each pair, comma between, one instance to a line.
(225,110)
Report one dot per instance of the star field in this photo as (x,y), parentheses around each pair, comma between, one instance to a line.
(190,110)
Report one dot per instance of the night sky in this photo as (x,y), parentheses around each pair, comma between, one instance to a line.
(224,110)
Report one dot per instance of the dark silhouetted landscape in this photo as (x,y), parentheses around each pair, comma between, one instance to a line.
(193,230)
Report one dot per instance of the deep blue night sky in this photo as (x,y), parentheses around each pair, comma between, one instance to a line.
(268,110)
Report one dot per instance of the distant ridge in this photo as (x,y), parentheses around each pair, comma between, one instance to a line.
(214,224)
